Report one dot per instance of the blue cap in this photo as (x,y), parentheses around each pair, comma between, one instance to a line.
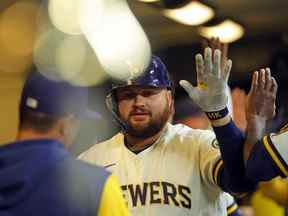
(55,98)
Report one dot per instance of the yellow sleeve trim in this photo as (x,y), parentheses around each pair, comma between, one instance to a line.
(274,156)
(112,201)
(232,208)
(218,165)
(284,128)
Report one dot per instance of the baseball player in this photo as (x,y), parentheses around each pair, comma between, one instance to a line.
(167,169)
(38,176)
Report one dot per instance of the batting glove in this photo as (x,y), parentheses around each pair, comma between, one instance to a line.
(211,93)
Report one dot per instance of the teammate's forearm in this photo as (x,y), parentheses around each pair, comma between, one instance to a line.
(255,131)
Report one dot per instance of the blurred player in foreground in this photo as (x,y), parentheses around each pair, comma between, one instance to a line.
(38,176)
(167,169)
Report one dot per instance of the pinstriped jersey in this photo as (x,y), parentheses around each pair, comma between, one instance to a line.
(176,176)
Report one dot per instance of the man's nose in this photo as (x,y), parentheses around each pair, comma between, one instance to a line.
(139,100)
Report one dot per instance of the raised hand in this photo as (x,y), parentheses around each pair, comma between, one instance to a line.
(210,93)
(260,107)
(262,95)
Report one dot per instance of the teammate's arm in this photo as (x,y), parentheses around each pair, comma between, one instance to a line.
(112,201)
(263,158)
(260,107)
(211,95)
(231,146)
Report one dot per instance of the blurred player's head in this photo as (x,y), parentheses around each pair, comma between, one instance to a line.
(50,109)
(143,105)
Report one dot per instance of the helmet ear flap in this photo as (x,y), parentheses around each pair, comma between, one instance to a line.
(111,103)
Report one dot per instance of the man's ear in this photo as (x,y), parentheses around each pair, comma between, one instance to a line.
(170,101)
(68,128)
(65,123)
(61,125)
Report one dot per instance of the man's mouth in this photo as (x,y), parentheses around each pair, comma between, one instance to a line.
(140,113)
(138,116)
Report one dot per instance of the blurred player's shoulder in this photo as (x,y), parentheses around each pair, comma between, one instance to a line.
(97,150)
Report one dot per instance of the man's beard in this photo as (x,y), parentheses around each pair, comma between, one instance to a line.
(153,127)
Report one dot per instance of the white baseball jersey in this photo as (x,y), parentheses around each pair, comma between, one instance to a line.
(176,176)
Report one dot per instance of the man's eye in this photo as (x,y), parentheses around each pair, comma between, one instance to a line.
(127,95)
(148,93)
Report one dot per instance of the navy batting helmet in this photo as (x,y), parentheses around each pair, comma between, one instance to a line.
(156,75)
